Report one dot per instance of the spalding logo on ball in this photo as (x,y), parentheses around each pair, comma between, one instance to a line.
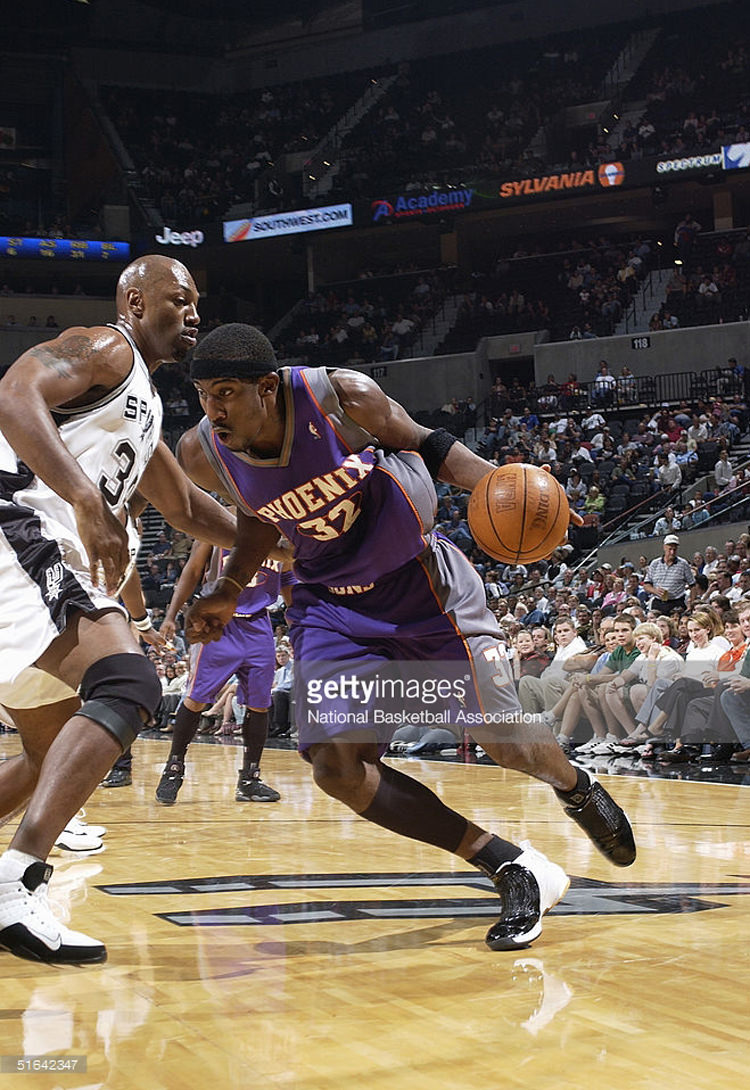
(518,513)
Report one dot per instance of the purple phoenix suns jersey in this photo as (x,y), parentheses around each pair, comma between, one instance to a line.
(352,511)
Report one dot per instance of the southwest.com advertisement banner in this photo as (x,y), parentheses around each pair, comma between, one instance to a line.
(289,223)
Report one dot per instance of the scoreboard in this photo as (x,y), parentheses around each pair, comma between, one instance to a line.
(74,249)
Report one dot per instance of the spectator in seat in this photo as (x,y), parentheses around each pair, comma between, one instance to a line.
(281,693)
(594,503)
(458,532)
(576,490)
(627,386)
(685,234)
(723,471)
(527,660)
(708,293)
(540,694)
(668,473)
(550,395)
(605,384)
(626,694)
(666,523)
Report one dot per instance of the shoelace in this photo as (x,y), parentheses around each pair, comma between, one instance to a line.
(40,905)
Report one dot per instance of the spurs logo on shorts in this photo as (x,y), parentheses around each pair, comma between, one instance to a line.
(53,577)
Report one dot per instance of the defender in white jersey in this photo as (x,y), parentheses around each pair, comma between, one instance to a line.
(112,440)
(79,432)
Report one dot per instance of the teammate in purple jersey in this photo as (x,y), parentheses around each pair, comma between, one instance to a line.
(345,474)
(247,649)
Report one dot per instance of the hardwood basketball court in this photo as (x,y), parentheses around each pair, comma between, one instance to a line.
(294,945)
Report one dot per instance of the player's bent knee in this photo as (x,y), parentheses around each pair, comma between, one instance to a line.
(121,693)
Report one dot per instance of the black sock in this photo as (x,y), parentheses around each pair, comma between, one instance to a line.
(185,726)
(491,857)
(406,806)
(254,734)
(577,795)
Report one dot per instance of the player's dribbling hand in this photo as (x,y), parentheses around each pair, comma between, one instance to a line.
(207,617)
(154,638)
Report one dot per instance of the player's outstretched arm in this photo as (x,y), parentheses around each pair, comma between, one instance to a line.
(373,410)
(185,506)
(446,458)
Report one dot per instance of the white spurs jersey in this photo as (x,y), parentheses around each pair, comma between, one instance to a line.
(112,440)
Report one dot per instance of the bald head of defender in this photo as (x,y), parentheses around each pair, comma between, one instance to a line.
(157,301)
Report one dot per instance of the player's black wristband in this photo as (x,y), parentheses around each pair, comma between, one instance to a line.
(434,449)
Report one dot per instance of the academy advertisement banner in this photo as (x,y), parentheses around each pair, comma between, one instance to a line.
(484,194)
(414,205)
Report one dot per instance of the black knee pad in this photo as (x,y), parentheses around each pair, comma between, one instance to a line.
(116,689)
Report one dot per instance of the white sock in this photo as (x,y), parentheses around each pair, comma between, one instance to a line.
(14,863)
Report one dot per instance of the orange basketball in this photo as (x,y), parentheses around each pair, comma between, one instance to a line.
(518,513)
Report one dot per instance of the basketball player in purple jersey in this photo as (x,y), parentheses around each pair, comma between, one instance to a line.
(326,458)
(247,649)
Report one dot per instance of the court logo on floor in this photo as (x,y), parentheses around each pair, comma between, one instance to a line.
(586,897)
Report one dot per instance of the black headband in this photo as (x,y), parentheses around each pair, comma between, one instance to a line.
(209,367)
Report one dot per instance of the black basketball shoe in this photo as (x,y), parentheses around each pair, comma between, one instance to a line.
(171,781)
(604,822)
(528,887)
(117,777)
(250,787)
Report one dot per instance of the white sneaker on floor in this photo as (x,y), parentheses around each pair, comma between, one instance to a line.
(29,928)
(608,747)
(78,824)
(588,747)
(73,840)
(528,887)
(620,749)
